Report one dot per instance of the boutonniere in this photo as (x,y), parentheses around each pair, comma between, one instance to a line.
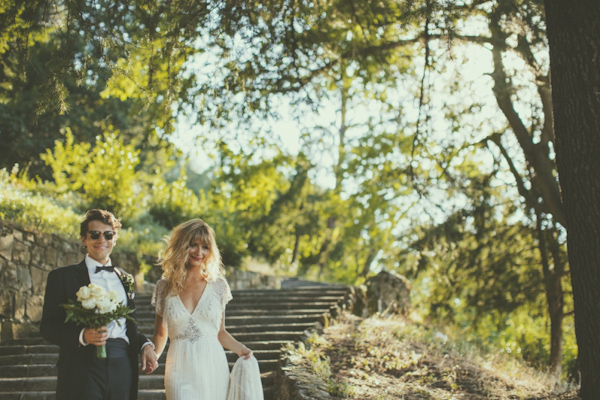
(128,281)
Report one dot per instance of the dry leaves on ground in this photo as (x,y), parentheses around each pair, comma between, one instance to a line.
(381,359)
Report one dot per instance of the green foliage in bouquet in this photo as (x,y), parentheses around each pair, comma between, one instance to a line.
(92,318)
(95,307)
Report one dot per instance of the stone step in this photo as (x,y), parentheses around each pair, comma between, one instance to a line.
(263,356)
(322,290)
(27,349)
(26,365)
(149,313)
(263,319)
(157,394)
(253,303)
(271,327)
(245,337)
(316,311)
(290,326)
(46,395)
(17,349)
(266,298)
(157,381)
(231,321)
(29,384)
(290,298)
(27,371)
(296,295)
(28,341)
(268,310)
(26,359)
(304,291)
(47,385)
(285,306)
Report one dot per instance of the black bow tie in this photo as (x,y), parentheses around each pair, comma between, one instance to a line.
(109,269)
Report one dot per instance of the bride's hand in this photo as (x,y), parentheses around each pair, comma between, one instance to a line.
(245,352)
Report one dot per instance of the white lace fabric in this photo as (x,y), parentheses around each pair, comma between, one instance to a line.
(244,381)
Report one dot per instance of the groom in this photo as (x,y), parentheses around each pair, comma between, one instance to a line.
(81,375)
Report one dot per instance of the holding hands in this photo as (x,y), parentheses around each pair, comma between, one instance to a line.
(149,359)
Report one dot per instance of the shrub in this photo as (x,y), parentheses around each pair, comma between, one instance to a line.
(105,175)
(173,203)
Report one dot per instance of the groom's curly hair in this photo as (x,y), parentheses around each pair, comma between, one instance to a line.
(98,215)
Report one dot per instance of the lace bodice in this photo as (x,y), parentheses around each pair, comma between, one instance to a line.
(206,318)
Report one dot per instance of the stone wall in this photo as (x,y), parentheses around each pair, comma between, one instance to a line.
(26,257)
(294,380)
(239,279)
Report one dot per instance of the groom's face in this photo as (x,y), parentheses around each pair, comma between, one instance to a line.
(100,248)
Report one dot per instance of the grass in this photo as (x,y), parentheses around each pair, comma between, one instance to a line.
(21,205)
(378,358)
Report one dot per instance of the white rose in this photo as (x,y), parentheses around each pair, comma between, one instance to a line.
(103,304)
(112,295)
(83,293)
(96,290)
(107,307)
(88,304)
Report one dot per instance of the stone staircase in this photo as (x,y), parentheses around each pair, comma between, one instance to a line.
(263,319)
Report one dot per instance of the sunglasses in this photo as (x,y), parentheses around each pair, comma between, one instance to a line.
(108,235)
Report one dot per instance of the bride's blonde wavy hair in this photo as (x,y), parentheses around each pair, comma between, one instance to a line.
(174,257)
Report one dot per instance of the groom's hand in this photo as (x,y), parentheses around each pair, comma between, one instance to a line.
(97,337)
(149,359)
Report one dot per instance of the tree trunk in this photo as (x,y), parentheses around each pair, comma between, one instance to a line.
(574,37)
(554,293)
(296,248)
(556,302)
(554,297)
(368,261)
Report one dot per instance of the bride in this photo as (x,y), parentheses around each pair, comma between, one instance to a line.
(190,304)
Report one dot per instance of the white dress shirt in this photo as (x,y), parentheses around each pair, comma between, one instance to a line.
(109,281)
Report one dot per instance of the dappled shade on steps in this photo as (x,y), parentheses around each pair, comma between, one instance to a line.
(263,319)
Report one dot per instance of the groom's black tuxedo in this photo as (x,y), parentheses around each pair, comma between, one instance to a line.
(74,359)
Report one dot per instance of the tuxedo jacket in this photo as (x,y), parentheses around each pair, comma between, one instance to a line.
(74,359)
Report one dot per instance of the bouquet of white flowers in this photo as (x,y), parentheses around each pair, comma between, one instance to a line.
(95,308)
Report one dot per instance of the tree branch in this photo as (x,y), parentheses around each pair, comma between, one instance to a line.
(545,179)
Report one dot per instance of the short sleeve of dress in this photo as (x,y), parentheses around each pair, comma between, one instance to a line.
(224,292)
(159,296)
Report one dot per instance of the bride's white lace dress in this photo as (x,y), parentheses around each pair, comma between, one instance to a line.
(196,366)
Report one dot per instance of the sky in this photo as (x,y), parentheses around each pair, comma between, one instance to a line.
(474,64)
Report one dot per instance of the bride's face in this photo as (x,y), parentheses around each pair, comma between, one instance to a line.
(198,253)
